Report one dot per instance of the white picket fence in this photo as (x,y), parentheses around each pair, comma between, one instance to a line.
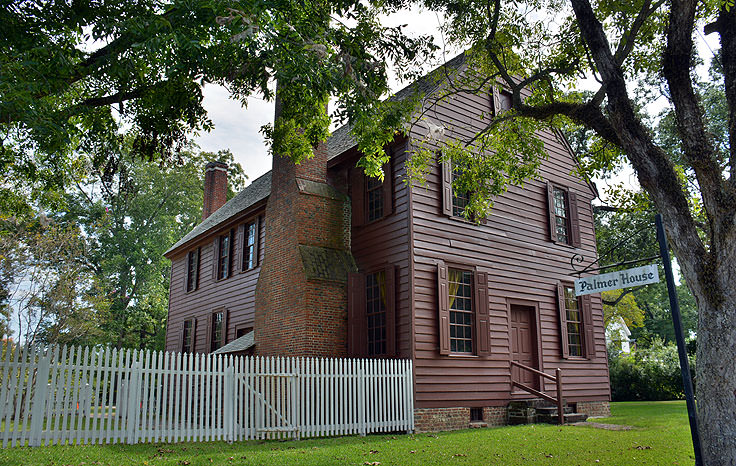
(97,395)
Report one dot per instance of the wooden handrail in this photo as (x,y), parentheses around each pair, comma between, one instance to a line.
(533,371)
(557,378)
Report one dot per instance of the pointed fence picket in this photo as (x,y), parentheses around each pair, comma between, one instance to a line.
(95,395)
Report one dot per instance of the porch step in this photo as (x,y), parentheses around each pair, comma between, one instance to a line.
(540,411)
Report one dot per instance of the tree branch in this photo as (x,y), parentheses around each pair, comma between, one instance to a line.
(676,67)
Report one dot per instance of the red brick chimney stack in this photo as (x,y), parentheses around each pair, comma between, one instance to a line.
(215,187)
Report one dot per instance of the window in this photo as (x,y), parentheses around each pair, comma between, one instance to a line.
(192,282)
(372,313)
(217,330)
(505,101)
(561,218)
(242,331)
(376,312)
(374,196)
(463,311)
(187,336)
(372,199)
(224,252)
(460,199)
(250,245)
(564,224)
(576,323)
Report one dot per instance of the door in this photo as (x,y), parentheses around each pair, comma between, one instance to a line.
(524,345)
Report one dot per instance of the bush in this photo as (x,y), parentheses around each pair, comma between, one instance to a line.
(648,374)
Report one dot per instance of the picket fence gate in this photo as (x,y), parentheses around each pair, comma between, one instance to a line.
(94,395)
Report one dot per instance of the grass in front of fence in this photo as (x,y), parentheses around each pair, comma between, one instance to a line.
(660,436)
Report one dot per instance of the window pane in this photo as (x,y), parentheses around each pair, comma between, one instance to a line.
(218,331)
(461,310)
(249,246)
(460,199)
(375,293)
(561,217)
(574,323)
(374,191)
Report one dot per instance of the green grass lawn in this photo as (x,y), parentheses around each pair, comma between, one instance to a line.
(660,436)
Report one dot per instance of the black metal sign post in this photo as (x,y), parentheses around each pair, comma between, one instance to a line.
(677,321)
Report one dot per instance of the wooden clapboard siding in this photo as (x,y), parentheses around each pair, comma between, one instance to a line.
(514,249)
(386,242)
(236,293)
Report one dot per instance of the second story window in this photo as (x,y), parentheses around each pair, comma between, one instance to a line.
(374,196)
(224,254)
(561,215)
(460,199)
(217,339)
(250,245)
(193,269)
(564,221)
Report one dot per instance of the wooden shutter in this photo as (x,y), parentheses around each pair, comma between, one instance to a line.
(551,212)
(588,328)
(563,319)
(443,289)
(388,189)
(357,190)
(242,237)
(194,335)
(225,315)
(215,257)
(390,310)
(482,324)
(208,336)
(196,267)
(496,101)
(574,219)
(257,242)
(447,188)
(357,338)
(186,272)
(181,336)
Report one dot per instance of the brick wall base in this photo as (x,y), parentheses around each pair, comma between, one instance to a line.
(437,419)
(594,408)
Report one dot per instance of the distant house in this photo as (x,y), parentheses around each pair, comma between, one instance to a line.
(618,335)
(318,260)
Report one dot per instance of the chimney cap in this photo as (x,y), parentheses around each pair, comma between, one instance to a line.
(215,164)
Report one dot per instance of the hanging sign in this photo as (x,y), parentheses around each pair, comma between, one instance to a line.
(615,280)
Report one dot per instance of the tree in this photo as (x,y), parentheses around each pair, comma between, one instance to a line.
(46,281)
(74,76)
(131,213)
(539,50)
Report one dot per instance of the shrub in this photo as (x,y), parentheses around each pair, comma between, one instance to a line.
(648,374)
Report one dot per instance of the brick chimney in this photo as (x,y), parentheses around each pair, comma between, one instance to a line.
(301,296)
(215,187)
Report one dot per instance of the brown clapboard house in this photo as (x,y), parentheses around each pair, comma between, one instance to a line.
(318,260)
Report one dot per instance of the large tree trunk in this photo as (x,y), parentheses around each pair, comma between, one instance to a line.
(715,364)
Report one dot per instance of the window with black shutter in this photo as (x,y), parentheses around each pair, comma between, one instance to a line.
(564,223)
(463,310)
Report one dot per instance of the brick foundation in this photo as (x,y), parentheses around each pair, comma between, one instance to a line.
(438,419)
(594,408)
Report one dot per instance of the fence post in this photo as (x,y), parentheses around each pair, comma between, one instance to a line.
(361,398)
(133,402)
(229,400)
(40,390)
